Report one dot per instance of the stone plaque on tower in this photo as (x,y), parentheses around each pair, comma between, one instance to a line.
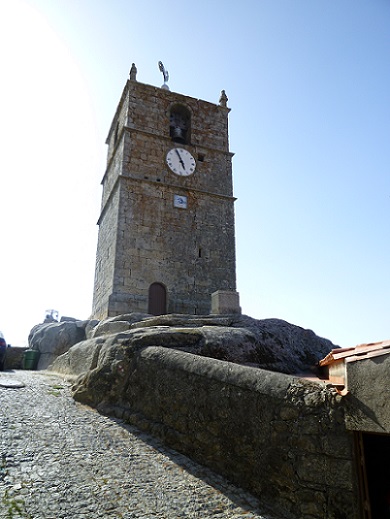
(166,228)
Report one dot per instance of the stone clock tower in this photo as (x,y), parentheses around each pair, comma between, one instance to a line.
(166,229)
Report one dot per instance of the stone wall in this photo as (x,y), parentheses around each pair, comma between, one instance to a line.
(369,395)
(14,358)
(281,437)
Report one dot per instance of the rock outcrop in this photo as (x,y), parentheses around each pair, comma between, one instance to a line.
(223,391)
(103,359)
(54,339)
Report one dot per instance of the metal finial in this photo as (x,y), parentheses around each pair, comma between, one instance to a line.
(165,75)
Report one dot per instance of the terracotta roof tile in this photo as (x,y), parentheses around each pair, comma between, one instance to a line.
(360,352)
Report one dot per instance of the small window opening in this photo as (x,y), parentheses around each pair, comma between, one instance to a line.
(200,252)
(200,157)
(116,133)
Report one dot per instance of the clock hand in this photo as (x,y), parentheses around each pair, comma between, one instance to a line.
(181,160)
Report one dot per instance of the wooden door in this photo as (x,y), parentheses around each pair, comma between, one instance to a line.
(365,506)
(157,299)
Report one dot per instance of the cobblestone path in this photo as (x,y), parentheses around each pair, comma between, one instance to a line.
(62,460)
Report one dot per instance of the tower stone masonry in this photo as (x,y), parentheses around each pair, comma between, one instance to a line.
(166,229)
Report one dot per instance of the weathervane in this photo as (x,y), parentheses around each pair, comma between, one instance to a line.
(165,75)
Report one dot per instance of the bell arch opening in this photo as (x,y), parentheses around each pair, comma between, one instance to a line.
(180,124)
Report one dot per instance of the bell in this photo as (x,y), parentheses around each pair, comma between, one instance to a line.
(178,132)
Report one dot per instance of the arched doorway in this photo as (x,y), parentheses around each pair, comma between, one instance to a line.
(157,299)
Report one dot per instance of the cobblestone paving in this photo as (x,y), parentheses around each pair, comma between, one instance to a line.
(62,460)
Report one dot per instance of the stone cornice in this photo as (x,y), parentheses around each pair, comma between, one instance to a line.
(160,184)
(178,186)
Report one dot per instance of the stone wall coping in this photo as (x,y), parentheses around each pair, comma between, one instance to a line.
(246,377)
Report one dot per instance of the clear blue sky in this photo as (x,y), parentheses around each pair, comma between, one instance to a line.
(308,83)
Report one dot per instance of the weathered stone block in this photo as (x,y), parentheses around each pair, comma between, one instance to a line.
(225,302)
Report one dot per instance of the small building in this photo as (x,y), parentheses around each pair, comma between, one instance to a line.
(362,376)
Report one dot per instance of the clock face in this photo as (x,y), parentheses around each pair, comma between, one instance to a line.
(181,162)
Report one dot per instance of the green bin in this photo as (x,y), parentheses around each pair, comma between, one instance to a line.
(31,358)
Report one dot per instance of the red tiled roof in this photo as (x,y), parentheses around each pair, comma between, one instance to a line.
(360,352)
